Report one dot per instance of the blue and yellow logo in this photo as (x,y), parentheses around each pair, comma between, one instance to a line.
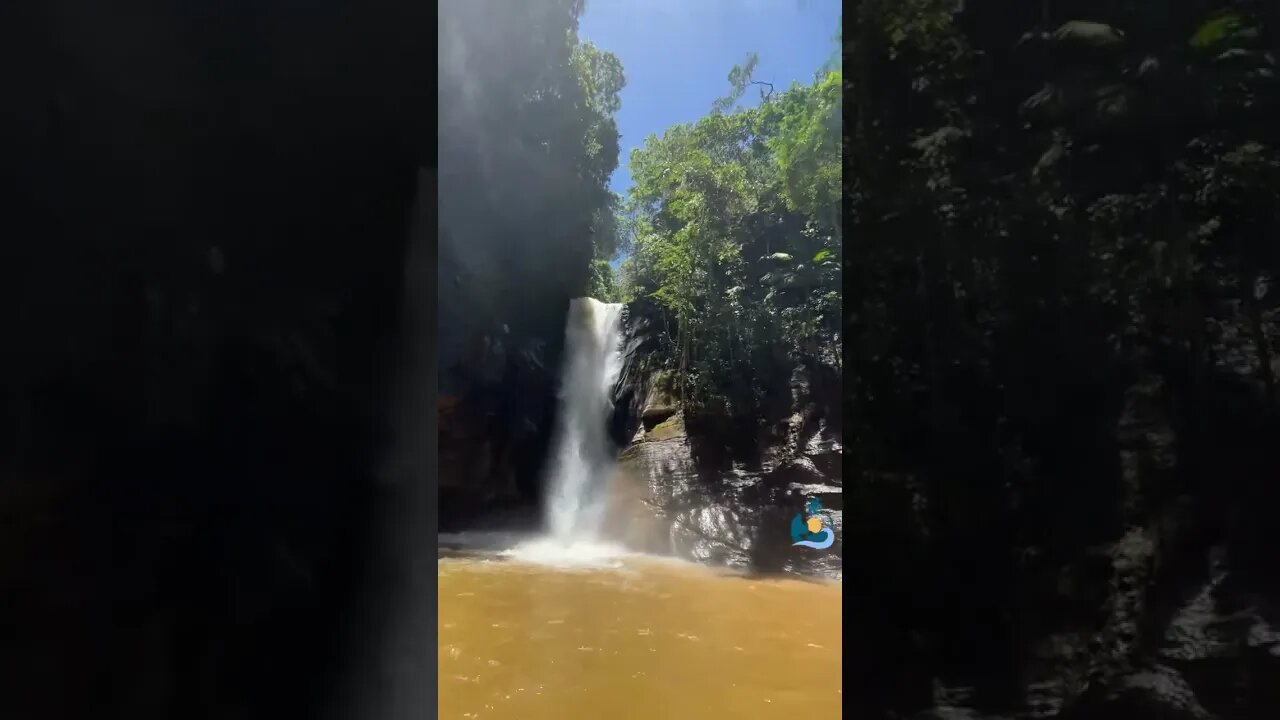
(811,529)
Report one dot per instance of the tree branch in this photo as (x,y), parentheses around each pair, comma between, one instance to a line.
(765,97)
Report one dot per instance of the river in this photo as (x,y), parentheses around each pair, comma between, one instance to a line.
(632,637)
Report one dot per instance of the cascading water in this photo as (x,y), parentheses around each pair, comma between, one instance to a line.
(583,456)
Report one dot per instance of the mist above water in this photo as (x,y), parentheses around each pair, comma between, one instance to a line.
(583,455)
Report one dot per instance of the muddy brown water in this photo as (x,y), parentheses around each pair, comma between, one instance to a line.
(633,637)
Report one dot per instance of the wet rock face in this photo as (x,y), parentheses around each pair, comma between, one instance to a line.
(1223,637)
(642,330)
(724,490)
(495,427)
(660,402)
(1213,653)
(1157,692)
(1155,604)
(737,518)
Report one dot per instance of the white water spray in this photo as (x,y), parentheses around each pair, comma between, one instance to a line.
(582,456)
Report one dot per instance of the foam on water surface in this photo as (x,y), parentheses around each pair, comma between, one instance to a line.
(573,554)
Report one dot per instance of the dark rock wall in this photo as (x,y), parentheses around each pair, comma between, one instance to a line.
(721,490)
(1125,581)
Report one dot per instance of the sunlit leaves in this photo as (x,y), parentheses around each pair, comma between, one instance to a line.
(734,197)
(808,138)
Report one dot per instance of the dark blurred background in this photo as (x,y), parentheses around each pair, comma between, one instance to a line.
(1063,320)
(205,215)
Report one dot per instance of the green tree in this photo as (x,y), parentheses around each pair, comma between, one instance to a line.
(736,235)
(528,143)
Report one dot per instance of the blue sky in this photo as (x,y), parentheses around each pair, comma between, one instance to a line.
(676,55)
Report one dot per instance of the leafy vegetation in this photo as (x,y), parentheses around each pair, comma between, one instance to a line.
(735,232)
(1062,249)
(528,143)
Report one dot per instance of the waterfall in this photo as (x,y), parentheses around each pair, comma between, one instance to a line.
(583,454)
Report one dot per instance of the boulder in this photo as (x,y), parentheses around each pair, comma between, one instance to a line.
(661,402)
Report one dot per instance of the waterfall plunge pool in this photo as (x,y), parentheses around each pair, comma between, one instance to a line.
(569,625)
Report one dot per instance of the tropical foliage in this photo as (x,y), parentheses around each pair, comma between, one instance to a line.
(735,232)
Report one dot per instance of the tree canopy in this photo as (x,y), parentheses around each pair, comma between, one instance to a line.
(527,145)
(735,233)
